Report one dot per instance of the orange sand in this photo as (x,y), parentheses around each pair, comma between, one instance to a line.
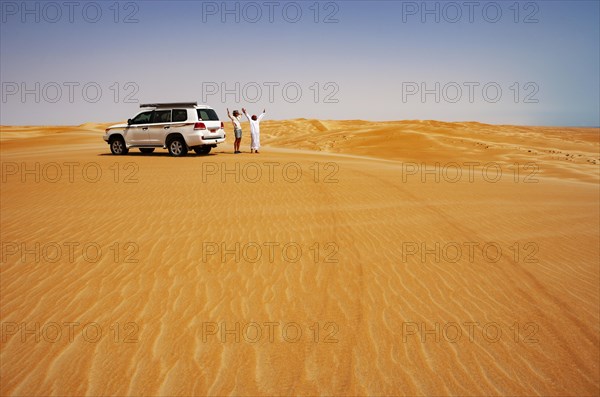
(357,252)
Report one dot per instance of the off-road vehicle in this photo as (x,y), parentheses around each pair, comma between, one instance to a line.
(177,127)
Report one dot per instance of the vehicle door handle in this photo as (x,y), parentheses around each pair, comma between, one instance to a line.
(144,128)
(166,127)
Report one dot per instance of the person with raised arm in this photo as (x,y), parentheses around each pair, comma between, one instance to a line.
(237,129)
(254,130)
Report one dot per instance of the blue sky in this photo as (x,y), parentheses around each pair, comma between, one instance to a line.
(508,62)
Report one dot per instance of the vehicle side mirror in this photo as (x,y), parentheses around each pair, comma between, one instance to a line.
(128,121)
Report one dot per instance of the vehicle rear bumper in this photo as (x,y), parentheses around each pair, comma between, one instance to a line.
(202,138)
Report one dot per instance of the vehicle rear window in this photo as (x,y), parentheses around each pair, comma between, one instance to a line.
(207,115)
(179,115)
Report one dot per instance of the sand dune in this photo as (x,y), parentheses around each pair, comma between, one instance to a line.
(348,258)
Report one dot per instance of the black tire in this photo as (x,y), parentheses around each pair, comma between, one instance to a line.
(177,147)
(117,146)
(146,150)
(202,150)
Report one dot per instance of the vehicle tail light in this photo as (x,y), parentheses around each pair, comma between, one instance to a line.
(199,126)
(222,125)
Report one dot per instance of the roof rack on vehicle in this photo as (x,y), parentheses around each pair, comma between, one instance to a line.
(168,104)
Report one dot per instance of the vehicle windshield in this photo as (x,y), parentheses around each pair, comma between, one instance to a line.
(207,115)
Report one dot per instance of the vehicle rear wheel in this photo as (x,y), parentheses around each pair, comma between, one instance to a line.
(177,147)
(202,150)
(117,146)
(146,150)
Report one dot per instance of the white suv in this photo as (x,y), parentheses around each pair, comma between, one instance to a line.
(176,126)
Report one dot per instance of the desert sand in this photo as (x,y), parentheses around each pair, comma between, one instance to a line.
(348,258)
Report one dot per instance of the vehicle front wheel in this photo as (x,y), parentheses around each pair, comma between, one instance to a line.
(117,146)
(202,150)
(146,150)
(177,147)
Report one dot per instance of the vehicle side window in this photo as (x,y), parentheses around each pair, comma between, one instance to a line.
(179,115)
(161,116)
(142,118)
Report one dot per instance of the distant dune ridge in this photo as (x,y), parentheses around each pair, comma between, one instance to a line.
(348,258)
